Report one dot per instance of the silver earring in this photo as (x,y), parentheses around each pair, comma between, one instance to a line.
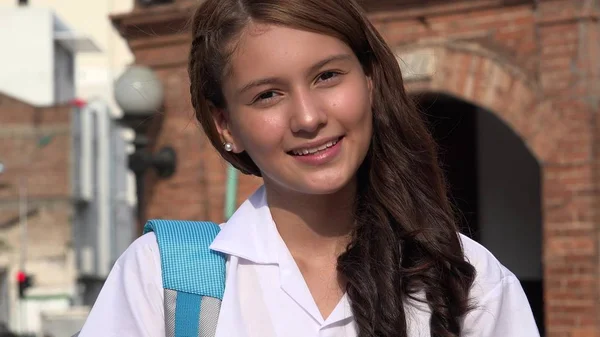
(228,147)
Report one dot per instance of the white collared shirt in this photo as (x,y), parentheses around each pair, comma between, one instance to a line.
(266,295)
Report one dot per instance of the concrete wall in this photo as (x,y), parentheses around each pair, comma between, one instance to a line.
(27,59)
(95,72)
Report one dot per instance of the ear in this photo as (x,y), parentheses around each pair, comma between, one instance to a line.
(221,120)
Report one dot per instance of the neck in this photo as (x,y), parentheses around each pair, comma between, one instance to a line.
(313,225)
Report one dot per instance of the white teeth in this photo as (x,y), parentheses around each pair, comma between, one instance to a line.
(304,152)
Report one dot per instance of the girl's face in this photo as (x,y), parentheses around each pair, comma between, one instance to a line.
(299,103)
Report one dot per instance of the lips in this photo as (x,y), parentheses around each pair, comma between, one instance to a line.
(314,149)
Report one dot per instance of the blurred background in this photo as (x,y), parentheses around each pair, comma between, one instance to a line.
(97,135)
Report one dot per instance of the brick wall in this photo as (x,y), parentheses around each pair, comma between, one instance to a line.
(532,63)
(35,146)
(198,187)
(535,67)
(568,73)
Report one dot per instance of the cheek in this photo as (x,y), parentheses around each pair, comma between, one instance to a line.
(351,106)
(259,132)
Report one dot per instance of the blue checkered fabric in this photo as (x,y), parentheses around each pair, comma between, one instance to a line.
(193,276)
(188,264)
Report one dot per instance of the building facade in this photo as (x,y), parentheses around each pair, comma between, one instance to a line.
(35,211)
(66,209)
(65,216)
(518,77)
(94,72)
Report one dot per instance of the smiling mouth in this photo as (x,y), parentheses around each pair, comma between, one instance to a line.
(314,150)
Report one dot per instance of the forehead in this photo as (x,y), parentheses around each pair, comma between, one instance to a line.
(268,50)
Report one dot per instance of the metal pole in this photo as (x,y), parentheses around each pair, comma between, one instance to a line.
(23,246)
(138,164)
(23,221)
(139,190)
(231,191)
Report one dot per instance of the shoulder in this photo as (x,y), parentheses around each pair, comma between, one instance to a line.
(500,307)
(131,300)
(146,241)
(486,264)
(143,252)
(491,275)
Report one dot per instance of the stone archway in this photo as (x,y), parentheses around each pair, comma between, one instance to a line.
(479,76)
(494,185)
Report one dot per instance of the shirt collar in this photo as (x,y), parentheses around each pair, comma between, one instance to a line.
(250,233)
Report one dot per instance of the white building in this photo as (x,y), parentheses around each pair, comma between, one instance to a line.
(89,20)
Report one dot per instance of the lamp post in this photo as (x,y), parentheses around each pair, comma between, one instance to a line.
(139,93)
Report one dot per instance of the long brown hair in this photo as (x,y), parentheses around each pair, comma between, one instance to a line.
(406,242)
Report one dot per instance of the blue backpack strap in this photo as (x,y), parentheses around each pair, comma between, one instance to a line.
(193,276)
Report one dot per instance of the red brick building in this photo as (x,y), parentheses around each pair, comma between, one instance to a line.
(35,150)
(531,67)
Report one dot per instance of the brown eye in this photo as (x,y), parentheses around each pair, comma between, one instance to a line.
(266,95)
(328,75)
(266,98)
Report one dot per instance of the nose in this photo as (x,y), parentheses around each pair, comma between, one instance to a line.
(307,114)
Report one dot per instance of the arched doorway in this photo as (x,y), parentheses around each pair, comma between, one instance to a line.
(495,185)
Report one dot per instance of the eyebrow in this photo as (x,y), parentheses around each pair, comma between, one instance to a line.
(313,68)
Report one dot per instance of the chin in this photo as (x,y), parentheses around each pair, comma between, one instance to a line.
(325,186)
(324,182)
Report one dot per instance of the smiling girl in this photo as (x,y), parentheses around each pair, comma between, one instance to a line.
(352,233)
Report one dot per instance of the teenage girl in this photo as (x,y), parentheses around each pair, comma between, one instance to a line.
(352,233)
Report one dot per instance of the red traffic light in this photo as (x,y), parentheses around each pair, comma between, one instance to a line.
(24,282)
(21,277)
